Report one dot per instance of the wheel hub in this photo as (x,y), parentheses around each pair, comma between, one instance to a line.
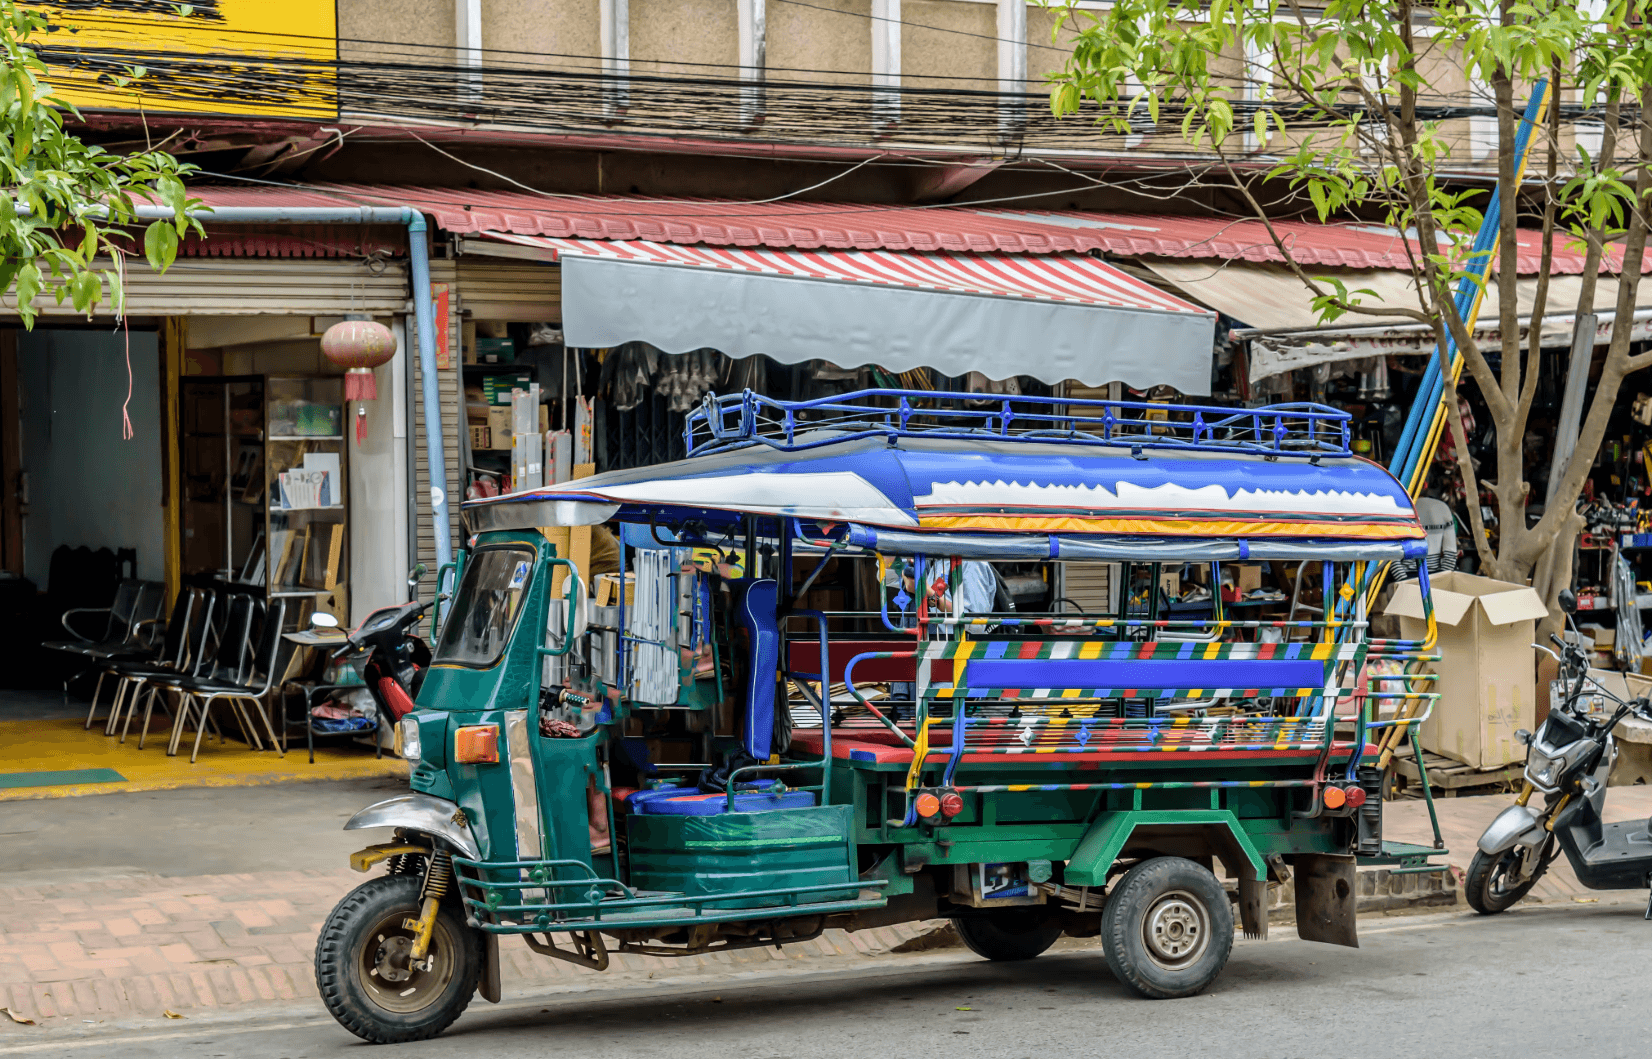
(393,960)
(1175,930)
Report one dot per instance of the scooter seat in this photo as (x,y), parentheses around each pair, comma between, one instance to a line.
(694,803)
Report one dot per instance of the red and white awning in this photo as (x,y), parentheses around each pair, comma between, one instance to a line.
(1045,277)
(1052,316)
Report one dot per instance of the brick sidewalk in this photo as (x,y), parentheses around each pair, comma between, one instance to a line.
(147,945)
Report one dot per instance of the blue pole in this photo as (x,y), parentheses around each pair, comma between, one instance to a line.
(1420,420)
(418,253)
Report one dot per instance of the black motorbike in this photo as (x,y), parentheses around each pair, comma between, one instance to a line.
(1568,762)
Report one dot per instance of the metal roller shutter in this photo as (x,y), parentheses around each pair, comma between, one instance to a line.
(246,286)
(501,290)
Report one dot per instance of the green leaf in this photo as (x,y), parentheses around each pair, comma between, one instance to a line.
(28,285)
(160,245)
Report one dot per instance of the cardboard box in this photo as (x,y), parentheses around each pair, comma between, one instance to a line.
(1487,669)
(499,425)
(480,437)
(606,593)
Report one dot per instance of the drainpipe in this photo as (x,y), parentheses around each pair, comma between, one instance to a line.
(418,252)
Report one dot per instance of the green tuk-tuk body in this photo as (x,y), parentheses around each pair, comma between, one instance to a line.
(668,750)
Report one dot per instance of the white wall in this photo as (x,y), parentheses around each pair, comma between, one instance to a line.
(87,485)
(378,491)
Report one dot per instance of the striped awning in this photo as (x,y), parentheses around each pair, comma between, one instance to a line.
(1053,316)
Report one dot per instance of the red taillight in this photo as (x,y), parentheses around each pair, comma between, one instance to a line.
(952,803)
(1356,797)
(1335,798)
(927,805)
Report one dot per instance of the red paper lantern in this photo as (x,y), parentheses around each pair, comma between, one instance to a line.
(359,346)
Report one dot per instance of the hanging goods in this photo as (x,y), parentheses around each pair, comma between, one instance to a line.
(359,346)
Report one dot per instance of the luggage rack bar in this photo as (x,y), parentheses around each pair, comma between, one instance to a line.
(735,420)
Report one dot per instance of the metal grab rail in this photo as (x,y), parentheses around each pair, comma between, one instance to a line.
(1299,429)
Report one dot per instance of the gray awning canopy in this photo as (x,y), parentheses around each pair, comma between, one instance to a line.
(1054,317)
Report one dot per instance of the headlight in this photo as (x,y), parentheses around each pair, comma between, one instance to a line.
(407,739)
(1544,771)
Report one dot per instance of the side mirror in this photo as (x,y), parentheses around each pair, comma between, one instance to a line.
(415,575)
(1523,737)
(1568,601)
(322,620)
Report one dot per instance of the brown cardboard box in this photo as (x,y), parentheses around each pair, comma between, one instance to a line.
(499,425)
(1486,666)
(480,437)
(607,590)
(1171,582)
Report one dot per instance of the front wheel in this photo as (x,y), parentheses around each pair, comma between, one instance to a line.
(366,978)
(1009,933)
(1490,887)
(1168,928)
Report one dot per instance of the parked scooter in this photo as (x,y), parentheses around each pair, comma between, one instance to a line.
(1568,762)
(390,656)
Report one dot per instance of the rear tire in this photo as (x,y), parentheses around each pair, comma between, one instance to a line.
(361,964)
(1167,928)
(1486,888)
(1009,933)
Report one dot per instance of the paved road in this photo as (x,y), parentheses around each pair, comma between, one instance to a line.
(1451,985)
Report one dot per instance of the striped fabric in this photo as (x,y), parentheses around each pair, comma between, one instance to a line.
(1070,279)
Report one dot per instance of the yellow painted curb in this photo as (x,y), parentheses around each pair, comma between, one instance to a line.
(47,746)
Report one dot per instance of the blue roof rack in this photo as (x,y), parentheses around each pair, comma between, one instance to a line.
(736,420)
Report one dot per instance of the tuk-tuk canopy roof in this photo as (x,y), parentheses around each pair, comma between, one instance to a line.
(1260,483)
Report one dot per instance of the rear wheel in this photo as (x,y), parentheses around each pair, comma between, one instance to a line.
(1491,887)
(364,970)
(1168,928)
(1009,933)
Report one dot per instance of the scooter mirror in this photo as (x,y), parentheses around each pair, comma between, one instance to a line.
(1568,601)
(323,620)
(1523,737)
(415,575)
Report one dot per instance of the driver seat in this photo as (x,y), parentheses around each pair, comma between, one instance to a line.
(758,611)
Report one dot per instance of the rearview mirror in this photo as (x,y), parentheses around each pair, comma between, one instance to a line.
(415,575)
(322,620)
(1568,601)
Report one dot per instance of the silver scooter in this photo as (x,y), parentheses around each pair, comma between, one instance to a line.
(1568,763)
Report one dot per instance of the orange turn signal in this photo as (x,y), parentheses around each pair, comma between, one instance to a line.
(476,743)
(928,805)
(1335,798)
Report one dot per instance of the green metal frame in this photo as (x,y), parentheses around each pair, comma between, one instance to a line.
(1107,838)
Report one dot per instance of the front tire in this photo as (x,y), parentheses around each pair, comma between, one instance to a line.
(1167,928)
(1009,933)
(1488,889)
(361,965)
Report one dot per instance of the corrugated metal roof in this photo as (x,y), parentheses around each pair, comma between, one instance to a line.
(859,226)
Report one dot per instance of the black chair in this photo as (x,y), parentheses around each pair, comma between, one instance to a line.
(227,661)
(126,623)
(188,631)
(264,662)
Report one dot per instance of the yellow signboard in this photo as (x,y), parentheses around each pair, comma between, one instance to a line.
(263,58)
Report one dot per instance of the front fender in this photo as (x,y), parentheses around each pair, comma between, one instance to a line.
(1518,825)
(421,812)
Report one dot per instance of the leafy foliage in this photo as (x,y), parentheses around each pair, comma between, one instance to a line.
(68,206)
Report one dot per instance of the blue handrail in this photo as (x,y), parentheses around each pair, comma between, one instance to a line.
(736,420)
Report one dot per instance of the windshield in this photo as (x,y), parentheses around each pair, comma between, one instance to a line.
(484,612)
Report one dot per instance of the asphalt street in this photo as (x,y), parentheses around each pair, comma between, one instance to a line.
(1563,980)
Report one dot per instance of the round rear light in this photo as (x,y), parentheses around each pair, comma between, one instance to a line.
(1356,797)
(1335,798)
(928,805)
(952,803)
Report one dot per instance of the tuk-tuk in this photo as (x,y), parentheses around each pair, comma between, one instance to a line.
(897,656)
